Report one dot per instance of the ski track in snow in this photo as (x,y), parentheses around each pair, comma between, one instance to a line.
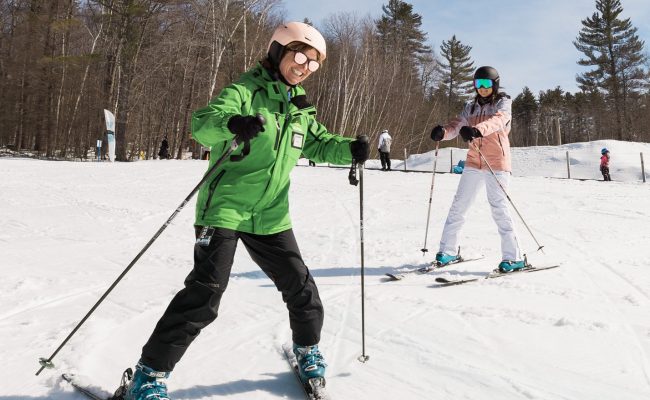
(577,332)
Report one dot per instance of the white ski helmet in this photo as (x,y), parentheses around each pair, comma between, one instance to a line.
(295,32)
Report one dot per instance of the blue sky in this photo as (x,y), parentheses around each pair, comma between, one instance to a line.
(530,42)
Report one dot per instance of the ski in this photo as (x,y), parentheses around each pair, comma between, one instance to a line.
(81,385)
(399,275)
(315,388)
(494,274)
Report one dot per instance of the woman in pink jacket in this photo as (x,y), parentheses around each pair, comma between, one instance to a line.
(484,122)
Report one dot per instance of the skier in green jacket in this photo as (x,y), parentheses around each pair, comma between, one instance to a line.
(247,200)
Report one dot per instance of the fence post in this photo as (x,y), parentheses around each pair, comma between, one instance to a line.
(451,160)
(404,159)
(568,169)
(642,168)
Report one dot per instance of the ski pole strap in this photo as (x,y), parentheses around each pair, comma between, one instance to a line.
(352,176)
(246,151)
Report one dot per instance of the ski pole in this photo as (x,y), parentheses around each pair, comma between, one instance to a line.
(433,179)
(539,246)
(352,177)
(363,357)
(47,363)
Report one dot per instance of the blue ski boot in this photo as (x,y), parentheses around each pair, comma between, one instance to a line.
(147,384)
(443,259)
(509,266)
(310,362)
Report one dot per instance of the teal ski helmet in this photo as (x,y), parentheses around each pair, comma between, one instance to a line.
(604,151)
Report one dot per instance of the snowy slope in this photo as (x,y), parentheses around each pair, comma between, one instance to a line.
(578,332)
(551,161)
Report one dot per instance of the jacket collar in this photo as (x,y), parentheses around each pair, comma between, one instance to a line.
(276,89)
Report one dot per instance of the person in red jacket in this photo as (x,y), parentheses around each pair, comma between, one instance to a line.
(604,164)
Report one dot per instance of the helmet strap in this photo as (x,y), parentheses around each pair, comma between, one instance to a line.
(276,51)
(275,54)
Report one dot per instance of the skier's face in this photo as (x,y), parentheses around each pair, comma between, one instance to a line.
(292,71)
(484,92)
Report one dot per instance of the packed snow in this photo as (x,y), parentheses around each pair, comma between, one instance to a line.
(581,331)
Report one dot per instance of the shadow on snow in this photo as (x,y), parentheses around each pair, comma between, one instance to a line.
(373,271)
(277,384)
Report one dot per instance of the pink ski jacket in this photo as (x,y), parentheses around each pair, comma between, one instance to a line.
(494,122)
(604,161)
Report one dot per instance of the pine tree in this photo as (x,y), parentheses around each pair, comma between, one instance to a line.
(400,33)
(404,69)
(456,73)
(552,105)
(524,113)
(612,46)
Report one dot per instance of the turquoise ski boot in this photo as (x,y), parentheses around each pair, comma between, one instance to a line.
(147,384)
(310,362)
(443,259)
(506,266)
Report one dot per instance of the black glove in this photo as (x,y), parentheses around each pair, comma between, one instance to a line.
(360,149)
(437,133)
(468,133)
(245,127)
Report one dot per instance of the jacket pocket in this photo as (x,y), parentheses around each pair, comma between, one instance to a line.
(211,190)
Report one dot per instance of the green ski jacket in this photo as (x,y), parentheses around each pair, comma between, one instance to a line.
(249,192)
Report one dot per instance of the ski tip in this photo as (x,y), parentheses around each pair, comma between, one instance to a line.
(442,280)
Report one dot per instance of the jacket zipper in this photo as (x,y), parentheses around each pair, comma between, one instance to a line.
(212,189)
(278,139)
(280,135)
(480,159)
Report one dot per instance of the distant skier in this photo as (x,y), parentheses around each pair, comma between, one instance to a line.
(385,140)
(247,200)
(604,164)
(163,153)
(485,122)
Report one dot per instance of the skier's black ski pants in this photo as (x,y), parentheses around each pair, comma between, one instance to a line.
(384,156)
(196,306)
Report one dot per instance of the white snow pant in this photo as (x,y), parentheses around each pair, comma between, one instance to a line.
(471,181)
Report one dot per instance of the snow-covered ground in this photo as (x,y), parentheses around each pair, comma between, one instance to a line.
(581,331)
(551,161)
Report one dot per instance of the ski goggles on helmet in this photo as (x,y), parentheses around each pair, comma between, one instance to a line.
(483,83)
(300,58)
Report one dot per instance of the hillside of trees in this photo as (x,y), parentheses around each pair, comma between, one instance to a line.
(151,62)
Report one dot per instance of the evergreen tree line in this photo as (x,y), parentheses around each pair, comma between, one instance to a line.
(152,62)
